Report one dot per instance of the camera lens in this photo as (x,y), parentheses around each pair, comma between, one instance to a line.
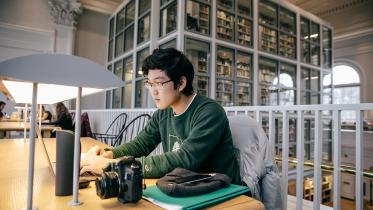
(107,186)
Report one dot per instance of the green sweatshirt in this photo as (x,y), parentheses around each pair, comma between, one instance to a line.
(198,140)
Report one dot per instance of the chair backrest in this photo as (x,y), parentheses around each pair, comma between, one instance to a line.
(131,130)
(85,128)
(256,160)
(117,125)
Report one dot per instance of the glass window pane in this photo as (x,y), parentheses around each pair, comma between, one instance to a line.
(244,66)
(304,28)
(127,95)
(198,53)
(224,92)
(287,21)
(268,95)
(244,7)
(305,52)
(243,94)
(287,96)
(305,98)
(267,13)
(268,39)
(198,17)
(315,98)
(141,94)
(315,56)
(224,62)
(111,28)
(327,79)
(225,26)
(110,51)
(128,65)
(168,19)
(244,28)
(343,74)
(119,44)
(118,68)
(129,38)
(228,4)
(117,98)
(144,5)
(305,79)
(315,33)
(327,99)
(315,80)
(108,99)
(120,20)
(327,45)
(267,71)
(201,85)
(288,76)
(165,1)
(287,46)
(130,12)
(144,29)
(169,44)
(140,59)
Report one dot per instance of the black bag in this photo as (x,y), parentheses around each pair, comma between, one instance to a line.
(181,183)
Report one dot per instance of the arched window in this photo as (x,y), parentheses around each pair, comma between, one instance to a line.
(346,81)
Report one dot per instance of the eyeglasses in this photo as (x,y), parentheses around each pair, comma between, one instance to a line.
(156,85)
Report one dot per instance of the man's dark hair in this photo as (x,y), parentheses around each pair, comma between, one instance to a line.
(2,103)
(174,63)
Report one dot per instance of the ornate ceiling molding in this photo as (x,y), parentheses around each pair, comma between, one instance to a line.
(64,12)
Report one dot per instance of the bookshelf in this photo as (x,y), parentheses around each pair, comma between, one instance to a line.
(203,20)
(275,36)
(243,94)
(224,25)
(224,63)
(287,46)
(202,85)
(326,189)
(224,92)
(243,31)
(268,39)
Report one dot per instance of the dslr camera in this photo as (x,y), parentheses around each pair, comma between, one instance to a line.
(123,179)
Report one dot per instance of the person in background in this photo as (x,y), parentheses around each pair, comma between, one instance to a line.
(64,119)
(192,129)
(46,115)
(2,105)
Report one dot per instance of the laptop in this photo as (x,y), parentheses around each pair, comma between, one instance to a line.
(87,176)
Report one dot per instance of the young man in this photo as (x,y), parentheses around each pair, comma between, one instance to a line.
(193,129)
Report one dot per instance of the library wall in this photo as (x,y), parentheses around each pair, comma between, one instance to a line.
(91,42)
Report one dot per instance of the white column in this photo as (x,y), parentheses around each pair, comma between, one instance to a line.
(64,39)
(65,17)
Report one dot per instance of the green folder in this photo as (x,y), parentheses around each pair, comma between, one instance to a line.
(154,195)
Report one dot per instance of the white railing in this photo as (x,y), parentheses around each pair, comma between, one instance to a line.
(100,119)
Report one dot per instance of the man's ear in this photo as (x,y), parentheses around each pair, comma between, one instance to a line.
(182,83)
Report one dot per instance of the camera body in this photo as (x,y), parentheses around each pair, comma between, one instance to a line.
(122,178)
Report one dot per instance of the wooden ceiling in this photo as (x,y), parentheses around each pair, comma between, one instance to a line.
(101,6)
(324,8)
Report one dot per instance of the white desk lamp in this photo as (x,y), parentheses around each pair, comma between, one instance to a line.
(51,78)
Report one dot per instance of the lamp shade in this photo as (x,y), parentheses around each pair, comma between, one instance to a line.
(59,69)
